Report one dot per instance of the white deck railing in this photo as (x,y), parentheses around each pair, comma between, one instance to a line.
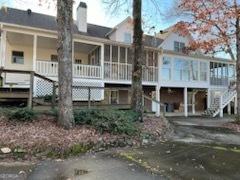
(48,68)
(123,72)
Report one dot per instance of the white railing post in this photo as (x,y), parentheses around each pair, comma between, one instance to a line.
(220,106)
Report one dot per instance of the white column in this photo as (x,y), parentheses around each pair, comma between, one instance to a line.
(102,61)
(193,102)
(235,105)
(34,52)
(221,108)
(229,108)
(208,98)
(158,99)
(3,48)
(185,103)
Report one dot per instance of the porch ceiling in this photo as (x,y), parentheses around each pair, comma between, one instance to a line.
(50,43)
(19,39)
(83,48)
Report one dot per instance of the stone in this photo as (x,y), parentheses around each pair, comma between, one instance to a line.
(5,150)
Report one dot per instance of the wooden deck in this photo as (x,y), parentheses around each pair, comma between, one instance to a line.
(14,93)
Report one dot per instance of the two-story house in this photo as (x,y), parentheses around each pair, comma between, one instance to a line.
(102,57)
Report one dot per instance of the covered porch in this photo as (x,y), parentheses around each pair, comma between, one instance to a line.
(86,59)
(180,101)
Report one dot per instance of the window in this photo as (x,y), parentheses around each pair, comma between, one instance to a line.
(166,68)
(194,70)
(203,71)
(17,57)
(128,38)
(179,46)
(54,58)
(78,61)
(181,70)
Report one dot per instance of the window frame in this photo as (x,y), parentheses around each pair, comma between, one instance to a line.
(18,57)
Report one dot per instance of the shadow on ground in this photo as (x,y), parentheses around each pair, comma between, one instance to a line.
(189,161)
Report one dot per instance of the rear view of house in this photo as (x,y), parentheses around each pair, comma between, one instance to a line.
(102,58)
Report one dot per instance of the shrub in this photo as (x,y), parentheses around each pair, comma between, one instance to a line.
(21,114)
(112,121)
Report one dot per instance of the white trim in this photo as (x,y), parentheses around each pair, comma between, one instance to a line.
(34,52)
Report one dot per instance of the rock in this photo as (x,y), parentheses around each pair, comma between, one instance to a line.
(145,141)
(5,150)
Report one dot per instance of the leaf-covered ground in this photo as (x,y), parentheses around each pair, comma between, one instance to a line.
(44,134)
(233,126)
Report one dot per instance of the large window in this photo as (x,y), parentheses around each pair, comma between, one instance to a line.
(219,73)
(17,57)
(231,72)
(203,71)
(166,68)
(194,70)
(179,46)
(181,70)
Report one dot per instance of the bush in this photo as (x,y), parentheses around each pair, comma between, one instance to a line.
(21,114)
(112,121)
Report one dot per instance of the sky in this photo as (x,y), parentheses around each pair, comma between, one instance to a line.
(99,13)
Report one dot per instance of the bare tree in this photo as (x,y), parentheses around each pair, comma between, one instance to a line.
(137,48)
(136,102)
(64,50)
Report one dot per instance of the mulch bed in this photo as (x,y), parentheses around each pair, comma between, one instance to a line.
(44,133)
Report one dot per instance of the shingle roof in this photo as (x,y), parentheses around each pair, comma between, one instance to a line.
(37,20)
(20,17)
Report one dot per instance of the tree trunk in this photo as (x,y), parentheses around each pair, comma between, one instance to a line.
(137,58)
(64,50)
(238,67)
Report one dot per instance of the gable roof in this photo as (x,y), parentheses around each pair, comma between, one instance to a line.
(37,20)
(42,21)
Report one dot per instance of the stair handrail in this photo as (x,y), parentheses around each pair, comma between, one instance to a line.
(224,96)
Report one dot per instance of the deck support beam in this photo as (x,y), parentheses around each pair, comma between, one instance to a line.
(185,102)
(158,99)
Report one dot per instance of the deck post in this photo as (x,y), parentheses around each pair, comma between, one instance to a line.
(229,108)
(220,107)
(193,103)
(235,105)
(185,102)
(208,98)
(54,95)
(158,103)
(30,99)
(89,97)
